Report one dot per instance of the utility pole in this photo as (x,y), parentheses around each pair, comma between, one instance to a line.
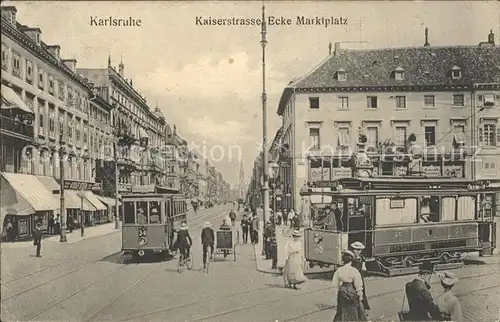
(265,167)
(62,237)
(117,178)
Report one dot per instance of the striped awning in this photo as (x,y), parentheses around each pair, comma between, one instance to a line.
(109,201)
(94,201)
(11,100)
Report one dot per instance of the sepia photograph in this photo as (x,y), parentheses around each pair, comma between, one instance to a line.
(263,161)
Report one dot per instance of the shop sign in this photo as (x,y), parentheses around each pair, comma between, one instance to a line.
(79,185)
(431,171)
(340,173)
(320,174)
(124,187)
(454,171)
(397,203)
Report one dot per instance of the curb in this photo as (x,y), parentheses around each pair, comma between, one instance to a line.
(91,237)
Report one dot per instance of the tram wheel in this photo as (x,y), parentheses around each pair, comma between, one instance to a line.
(311,264)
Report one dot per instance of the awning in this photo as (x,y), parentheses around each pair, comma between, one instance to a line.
(72,200)
(94,201)
(28,195)
(50,184)
(11,100)
(109,201)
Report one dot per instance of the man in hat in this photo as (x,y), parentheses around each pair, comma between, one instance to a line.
(141,218)
(420,302)
(268,234)
(184,240)
(329,220)
(448,303)
(207,241)
(245,223)
(37,239)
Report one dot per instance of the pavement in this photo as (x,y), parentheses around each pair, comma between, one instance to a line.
(87,281)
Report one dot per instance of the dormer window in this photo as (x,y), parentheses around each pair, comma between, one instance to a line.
(456,73)
(341,75)
(489,100)
(399,73)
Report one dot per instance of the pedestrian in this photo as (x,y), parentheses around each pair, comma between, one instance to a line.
(291,216)
(232,217)
(420,302)
(57,223)
(285,217)
(10,230)
(244,228)
(37,239)
(349,286)
(268,234)
(274,251)
(70,223)
(359,263)
(293,273)
(279,217)
(255,230)
(448,303)
(50,225)
(207,242)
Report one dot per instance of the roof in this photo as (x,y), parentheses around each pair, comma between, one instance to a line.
(422,66)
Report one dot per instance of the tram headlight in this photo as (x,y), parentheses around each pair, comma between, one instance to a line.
(143,241)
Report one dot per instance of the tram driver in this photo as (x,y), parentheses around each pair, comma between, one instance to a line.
(333,218)
(141,217)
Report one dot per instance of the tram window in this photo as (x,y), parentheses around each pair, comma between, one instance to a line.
(387,215)
(429,209)
(129,212)
(168,210)
(154,212)
(142,213)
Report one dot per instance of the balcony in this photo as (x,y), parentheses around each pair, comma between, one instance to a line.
(13,128)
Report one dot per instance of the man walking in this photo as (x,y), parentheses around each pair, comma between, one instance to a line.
(255,230)
(37,241)
(244,228)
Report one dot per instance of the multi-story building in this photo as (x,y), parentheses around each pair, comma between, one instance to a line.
(47,106)
(173,144)
(439,103)
(202,179)
(139,129)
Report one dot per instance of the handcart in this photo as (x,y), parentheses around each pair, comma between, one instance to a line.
(225,243)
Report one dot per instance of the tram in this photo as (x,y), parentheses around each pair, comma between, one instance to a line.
(402,222)
(149,220)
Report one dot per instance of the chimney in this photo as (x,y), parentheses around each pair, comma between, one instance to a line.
(109,60)
(337,49)
(33,33)
(175,129)
(491,37)
(9,13)
(55,50)
(330,48)
(426,37)
(70,63)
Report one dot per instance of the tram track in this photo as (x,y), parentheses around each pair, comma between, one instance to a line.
(33,316)
(300,294)
(4,283)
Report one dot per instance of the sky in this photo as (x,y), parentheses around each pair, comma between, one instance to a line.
(207,80)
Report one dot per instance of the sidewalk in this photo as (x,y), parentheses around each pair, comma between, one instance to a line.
(90,232)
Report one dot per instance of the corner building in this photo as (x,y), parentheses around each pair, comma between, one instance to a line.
(442,103)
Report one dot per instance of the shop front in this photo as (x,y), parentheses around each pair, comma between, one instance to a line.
(82,204)
(111,204)
(25,202)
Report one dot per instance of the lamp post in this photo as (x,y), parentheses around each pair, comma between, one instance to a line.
(62,237)
(274,171)
(81,194)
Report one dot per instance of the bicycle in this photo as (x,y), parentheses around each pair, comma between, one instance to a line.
(208,250)
(184,262)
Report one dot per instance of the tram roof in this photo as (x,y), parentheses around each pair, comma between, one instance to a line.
(393,193)
(152,195)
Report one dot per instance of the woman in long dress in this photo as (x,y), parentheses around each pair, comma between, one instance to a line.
(293,273)
(359,262)
(349,285)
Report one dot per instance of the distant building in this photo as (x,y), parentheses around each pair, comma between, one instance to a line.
(442,102)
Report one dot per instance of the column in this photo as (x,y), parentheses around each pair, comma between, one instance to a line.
(55,165)
(46,124)
(36,122)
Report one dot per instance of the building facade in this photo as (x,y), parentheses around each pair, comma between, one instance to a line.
(140,132)
(49,115)
(436,108)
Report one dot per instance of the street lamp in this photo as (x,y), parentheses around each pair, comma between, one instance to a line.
(62,151)
(81,194)
(274,169)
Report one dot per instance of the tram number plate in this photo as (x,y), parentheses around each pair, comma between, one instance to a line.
(457,231)
(407,247)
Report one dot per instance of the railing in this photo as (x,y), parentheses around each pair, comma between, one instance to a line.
(16,126)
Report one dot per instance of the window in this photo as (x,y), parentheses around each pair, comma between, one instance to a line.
(61,123)
(52,123)
(400,101)
(5,57)
(51,85)
(489,134)
(78,131)
(60,91)
(142,213)
(29,71)
(41,115)
(16,64)
(372,136)
(85,131)
(458,135)
(458,99)
(430,135)
(344,102)
(372,102)
(456,72)
(429,101)
(70,97)
(129,212)
(344,137)
(489,100)
(155,212)
(313,103)
(314,142)
(71,128)
(40,79)
(399,73)
(400,135)
(341,75)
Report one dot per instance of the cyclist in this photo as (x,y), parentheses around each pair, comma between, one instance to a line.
(184,240)
(232,217)
(207,241)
